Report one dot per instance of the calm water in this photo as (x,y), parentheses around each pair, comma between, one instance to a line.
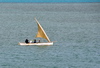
(75,27)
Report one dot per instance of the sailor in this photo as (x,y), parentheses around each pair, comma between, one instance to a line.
(26,41)
(31,41)
(39,41)
(34,40)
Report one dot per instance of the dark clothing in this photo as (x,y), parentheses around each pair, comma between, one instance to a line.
(26,41)
(39,41)
(34,41)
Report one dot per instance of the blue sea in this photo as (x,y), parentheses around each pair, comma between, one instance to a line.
(74,26)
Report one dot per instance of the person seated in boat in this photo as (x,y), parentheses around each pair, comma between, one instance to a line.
(34,40)
(39,41)
(31,41)
(26,41)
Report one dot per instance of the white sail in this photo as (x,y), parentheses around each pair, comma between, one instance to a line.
(41,33)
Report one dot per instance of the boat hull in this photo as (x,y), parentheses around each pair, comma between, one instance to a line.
(41,44)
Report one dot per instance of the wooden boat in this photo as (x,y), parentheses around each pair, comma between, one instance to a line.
(42,34)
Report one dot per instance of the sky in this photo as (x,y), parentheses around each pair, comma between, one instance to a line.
(49,0)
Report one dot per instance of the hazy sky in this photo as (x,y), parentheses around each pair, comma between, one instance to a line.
(49,0)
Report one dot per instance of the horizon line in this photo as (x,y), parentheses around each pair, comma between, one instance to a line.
(49,2)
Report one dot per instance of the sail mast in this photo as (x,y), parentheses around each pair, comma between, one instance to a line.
(41,33)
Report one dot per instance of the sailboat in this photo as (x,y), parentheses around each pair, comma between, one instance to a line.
(40,34)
